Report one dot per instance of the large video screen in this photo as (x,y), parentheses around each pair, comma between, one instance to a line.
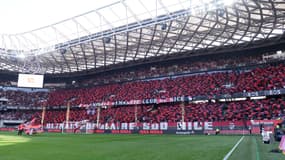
(30,80)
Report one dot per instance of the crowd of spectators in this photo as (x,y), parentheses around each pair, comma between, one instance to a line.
(208,84)
(16,115)
(185,66)
(21,98)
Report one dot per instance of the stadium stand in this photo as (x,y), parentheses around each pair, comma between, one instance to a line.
(173,68)
(207,83)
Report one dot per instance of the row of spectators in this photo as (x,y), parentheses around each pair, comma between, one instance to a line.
(22,98)
(16,115)
(269,108)
(171,68)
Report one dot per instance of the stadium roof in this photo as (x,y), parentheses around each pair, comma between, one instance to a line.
(130,30)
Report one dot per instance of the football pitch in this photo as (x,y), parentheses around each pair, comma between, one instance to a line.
(133,147)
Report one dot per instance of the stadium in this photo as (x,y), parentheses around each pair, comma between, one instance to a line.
(143,79)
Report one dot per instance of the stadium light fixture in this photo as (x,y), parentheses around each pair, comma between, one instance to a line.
(259,97)
(62,50)
(239,99)
(200,101)
(107,39)
(21,56)
(163,26)
(279,52)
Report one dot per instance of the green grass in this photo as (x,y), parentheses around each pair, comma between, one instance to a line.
(252,148)
(121,147)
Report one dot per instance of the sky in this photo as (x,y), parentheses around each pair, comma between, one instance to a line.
(19,16)
(22,16)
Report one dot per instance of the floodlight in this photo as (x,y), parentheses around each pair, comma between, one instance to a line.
(107,39)
(21,55)
(163,26)
(62,51)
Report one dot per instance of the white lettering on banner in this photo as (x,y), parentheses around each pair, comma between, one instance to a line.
(181,125)
(66,126)
(124,126)
(146,126)
(163,126)
(134,102)
(208,125)
(274,92)
(118,125)
(183,133)
(154,126)
(231,125)
(178,99)
(54,125)
(257,122)
(113,127)
(132,126)
(190,126)
(69,126)
(89,125)
(61,125)
(48,126)
(107,126)
(197,125)
(194,126)
(101,126)
(73,125)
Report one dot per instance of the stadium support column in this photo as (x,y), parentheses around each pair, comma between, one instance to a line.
(67,112)
(98,116)
(182,111)
(136,113)
(43,113)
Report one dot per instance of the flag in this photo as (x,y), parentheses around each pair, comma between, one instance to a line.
(33,127)
(282,144)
